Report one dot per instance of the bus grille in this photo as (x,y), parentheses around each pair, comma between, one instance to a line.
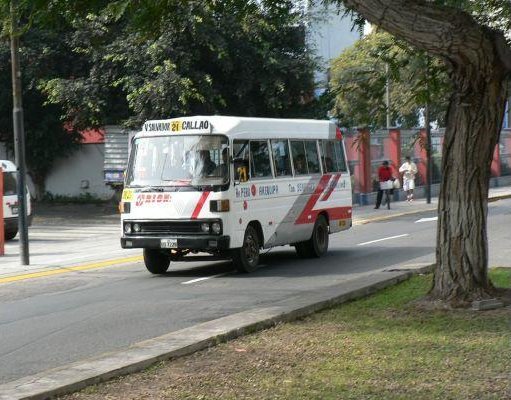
(170,227)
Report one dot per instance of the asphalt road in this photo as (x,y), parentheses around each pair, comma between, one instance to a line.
(50,322)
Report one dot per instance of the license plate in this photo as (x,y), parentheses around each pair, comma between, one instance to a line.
(14,210)
(168,243)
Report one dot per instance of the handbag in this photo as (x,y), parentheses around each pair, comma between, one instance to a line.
(386,185)
(396,184)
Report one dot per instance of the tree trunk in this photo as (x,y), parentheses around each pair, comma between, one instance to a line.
(474,122)
(479,60)
(39,181)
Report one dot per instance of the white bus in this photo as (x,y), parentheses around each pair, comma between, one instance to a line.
(231,186)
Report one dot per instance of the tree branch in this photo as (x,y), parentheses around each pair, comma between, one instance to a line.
(447,32)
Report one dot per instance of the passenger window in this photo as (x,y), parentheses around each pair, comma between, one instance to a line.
(260,159)
(241,160)
(312,157)
(299,158)
(340,159)
(328,156)
(281,159)
(333,156)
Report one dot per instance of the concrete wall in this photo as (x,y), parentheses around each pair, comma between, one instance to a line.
(80,174)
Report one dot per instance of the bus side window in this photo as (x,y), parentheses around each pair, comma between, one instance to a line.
(260,159)
(241,160)
(299,158)
(281,160)
(312,157)
(333,156)
(340,158)
(327,156)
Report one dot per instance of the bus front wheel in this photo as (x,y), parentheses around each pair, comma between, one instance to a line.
(155,261)
(317,245)
(10,234)
(246,258)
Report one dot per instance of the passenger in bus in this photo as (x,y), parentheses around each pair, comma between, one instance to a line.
(300,165)
(329,164)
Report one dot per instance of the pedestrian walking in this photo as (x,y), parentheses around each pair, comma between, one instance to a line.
(409,170)
(385,182)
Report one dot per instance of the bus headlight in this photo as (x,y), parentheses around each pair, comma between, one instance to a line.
(127,228)
(136,228)
(204,227)
(216,227)
(219,205)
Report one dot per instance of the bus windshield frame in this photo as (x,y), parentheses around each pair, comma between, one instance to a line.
(179,161)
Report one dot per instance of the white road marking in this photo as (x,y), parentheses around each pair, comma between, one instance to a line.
(202,279)
(380,240)
(426,219)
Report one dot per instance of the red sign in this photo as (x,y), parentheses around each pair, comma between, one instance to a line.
(152,198)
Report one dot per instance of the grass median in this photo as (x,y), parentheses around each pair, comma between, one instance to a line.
(380,347)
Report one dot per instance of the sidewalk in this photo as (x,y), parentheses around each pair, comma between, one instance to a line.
(79,236)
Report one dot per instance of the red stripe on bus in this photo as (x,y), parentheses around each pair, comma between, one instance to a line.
(313,199)
(338,213)
(331,187)
(334,213)
(200,204)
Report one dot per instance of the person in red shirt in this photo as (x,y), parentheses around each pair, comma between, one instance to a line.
(384,176)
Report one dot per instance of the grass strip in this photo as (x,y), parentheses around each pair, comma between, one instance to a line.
(380,347)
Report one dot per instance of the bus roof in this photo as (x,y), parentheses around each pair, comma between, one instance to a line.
(242,127)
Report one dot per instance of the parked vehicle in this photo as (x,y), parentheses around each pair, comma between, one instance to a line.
(230,186)
(10,201)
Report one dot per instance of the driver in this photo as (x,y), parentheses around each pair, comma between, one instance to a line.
(205,166)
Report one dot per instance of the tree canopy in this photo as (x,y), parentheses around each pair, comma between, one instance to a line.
(359,77)
(229,57)
(91,63)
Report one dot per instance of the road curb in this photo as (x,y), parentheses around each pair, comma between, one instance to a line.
(76,376)
(363,221)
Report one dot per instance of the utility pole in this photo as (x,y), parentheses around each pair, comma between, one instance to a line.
(429,166)
(387,94)
(19,134)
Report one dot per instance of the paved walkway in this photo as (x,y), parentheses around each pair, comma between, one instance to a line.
(83,236)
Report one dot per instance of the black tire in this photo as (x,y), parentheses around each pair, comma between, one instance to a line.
(155,261)
(9,235)
(317,245)
(246,258)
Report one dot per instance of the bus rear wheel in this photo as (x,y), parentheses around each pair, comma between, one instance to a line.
(246,258)
(317,245)
(155,261)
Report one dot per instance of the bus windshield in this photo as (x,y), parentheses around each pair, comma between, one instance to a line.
(198,160)
(10,184)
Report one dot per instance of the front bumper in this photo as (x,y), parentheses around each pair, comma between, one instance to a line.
(208,243)
(11,223)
